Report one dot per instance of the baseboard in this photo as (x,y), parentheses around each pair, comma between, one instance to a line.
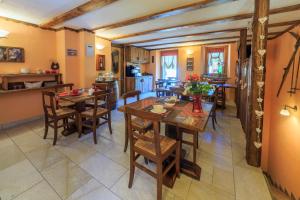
(20,122)
(279,188)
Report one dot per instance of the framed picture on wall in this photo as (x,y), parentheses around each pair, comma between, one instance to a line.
(12,54)
(100,62)
(190,64)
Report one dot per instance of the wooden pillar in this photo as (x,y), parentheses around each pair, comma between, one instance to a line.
(259,53)
(242,58)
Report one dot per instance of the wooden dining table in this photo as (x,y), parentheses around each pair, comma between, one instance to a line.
(79,106)
(180,116)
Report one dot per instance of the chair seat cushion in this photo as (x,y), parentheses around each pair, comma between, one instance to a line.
(140,124)
(100,103)
(100,112)
(63,104)
(165,144)
(63,112)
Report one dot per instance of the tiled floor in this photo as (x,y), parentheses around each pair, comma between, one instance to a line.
(32,169)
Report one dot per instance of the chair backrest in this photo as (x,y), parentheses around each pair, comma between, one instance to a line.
(49,102)
(159,84)
(177,91)
(135,93)
(154,118)
(63,86)
(101,86)
(101,95)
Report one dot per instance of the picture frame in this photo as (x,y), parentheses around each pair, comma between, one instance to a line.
(100,62)
(12,54)
(190,64)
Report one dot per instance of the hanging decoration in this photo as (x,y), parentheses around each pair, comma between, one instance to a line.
(260,112)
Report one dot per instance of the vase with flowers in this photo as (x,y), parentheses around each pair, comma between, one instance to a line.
(196,89)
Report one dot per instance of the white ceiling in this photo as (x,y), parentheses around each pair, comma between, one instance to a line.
(40,11)
(36,11)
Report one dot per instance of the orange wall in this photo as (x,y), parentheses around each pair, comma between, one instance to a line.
(106,51)
(42,47)
(39,45)
(281,149)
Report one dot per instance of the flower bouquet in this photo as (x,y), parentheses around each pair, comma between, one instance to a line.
(196,89)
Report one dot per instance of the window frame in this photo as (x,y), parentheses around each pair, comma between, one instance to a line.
(210,49)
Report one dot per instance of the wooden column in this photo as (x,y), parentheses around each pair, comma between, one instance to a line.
(242,58)
(259,47)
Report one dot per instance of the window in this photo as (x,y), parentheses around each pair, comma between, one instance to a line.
(169,64)
(216,59)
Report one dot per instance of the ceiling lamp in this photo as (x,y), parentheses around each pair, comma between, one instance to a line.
(99,46)
(3,33)
(286,112)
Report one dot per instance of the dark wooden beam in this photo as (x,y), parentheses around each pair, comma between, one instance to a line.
(286,30)
(210,32)
(188,35)
(254,137)
(287,23)
(242,59)
(203,40)
(164,14)
(209,22)
(78,11)
(214,43)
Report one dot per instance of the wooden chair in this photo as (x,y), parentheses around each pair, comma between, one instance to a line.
(176,91)
(213,113)
(54,115)
(104,88)
(137,123)
(95,114)
(152,146)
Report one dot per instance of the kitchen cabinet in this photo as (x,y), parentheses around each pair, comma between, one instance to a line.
(137,55)
(142,83)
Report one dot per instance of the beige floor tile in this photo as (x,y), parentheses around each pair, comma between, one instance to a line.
(76,151)
(66,177)
(249,182)
(223,179)
(181,186)
(142,188)
(93,191)
(10,155)
(204,191)
(28,141)
(40,191)
(44,156)
(103,169)
(117,154)
(17,179)
(103,144)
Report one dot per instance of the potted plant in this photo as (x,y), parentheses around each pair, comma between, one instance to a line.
(196,89)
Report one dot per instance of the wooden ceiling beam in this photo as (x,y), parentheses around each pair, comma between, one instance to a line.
(78,11)
(209,22)
(203,40)
(188,35)
(214,43)
(211,32)
(163,14)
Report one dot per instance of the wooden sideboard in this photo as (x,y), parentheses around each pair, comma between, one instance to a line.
(8,81)
(142,83)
